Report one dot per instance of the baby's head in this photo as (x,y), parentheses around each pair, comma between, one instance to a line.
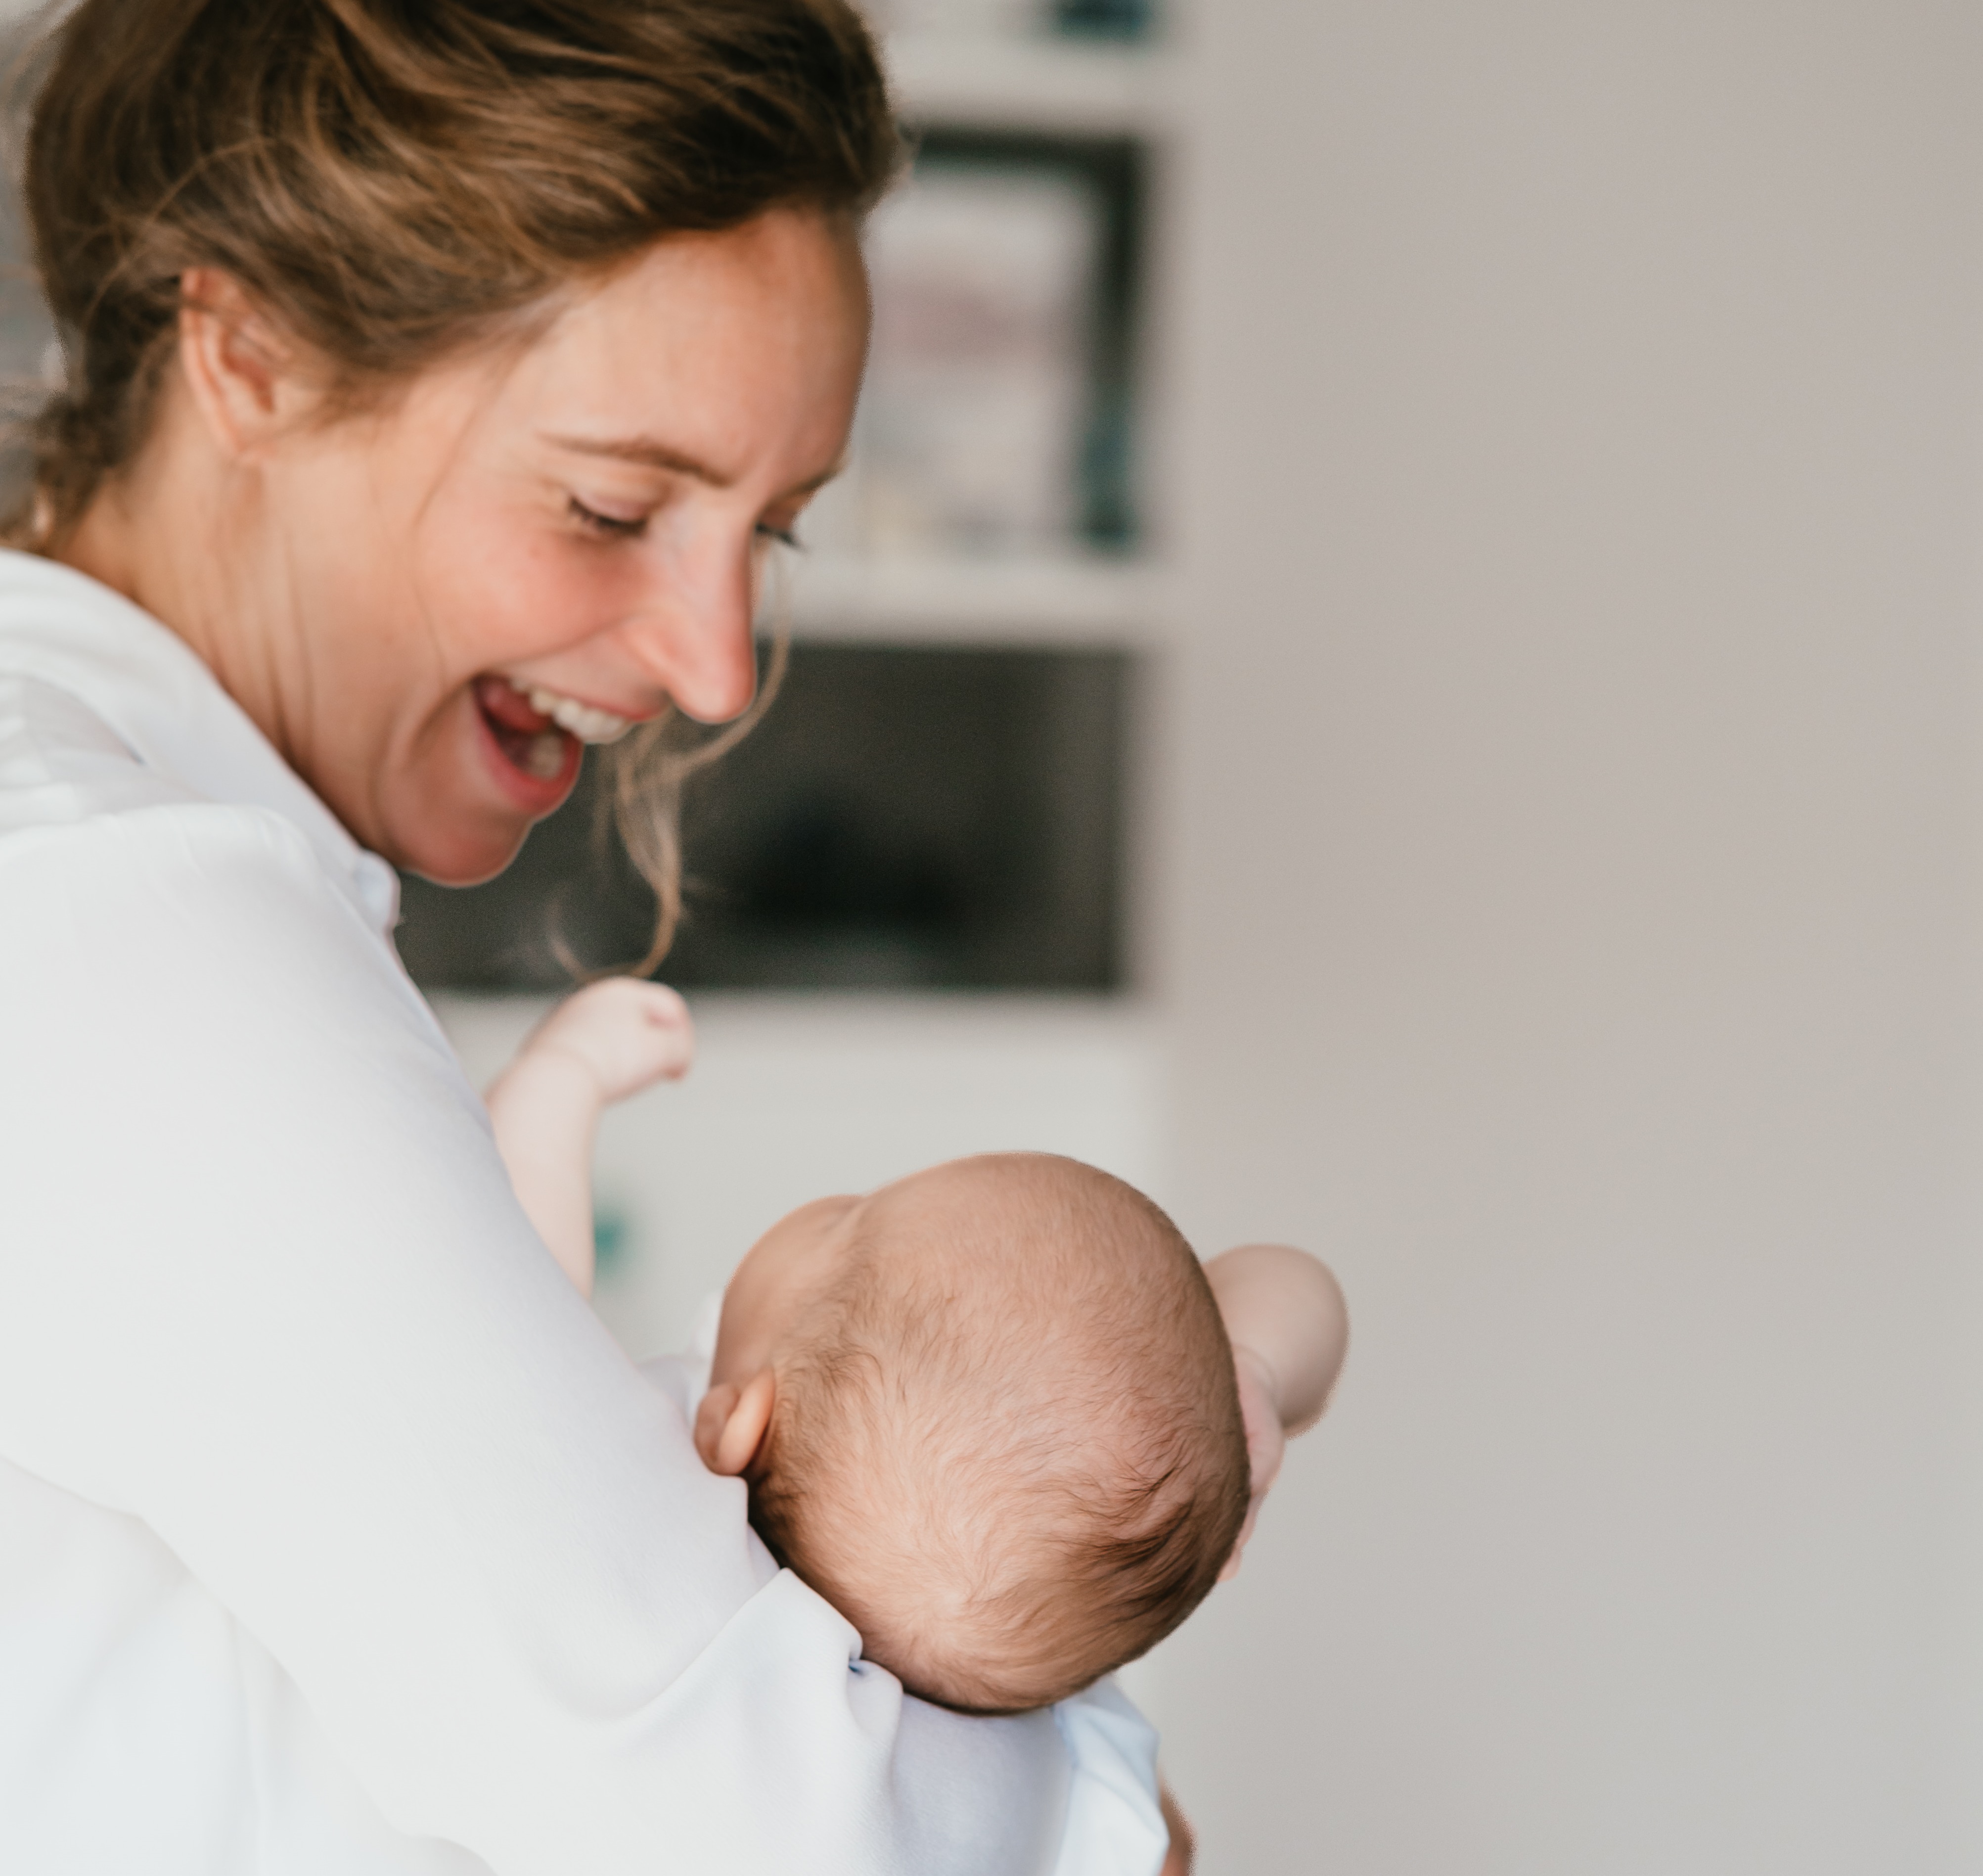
(989,1412)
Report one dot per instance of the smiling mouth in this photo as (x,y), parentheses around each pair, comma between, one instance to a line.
(532,739)
(586,721)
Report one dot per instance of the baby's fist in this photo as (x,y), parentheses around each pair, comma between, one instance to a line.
(628,1033)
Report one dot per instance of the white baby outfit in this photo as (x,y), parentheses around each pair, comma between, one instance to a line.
(335,1534)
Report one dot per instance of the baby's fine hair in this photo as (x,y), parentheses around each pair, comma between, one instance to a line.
(1009,1447)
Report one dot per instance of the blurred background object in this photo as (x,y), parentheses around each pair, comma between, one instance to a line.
(982,388)
(1125,19)
(1530,851)
(927,817)
(31,358)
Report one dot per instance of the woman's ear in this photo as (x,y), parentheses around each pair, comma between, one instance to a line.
(242,370)
(730,1425)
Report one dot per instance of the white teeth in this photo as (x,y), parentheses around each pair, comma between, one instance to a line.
(544,755)
(587,724)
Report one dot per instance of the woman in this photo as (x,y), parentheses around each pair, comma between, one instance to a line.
(436,373)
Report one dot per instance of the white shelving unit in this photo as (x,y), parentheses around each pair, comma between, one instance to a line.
(1054,86)
(1040,86)
(1072,601)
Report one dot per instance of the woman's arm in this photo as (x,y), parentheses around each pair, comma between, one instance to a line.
(266,1289)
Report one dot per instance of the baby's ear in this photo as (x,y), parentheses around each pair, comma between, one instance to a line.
(730,1425)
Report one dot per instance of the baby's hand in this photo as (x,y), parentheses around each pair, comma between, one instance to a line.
(1266,1445)
(1284,1315)
(627,1033)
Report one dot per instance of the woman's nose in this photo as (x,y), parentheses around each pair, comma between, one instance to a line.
(694,636)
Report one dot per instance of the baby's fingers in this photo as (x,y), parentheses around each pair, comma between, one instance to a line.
(1266,1446)
(656,1041)
(629,1033)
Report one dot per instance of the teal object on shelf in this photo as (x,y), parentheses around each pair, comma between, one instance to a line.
(1112,19)
(610,1236)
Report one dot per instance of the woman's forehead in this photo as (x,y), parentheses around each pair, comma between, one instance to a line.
(708,352)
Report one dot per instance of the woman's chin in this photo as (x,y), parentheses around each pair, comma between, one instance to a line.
(462,836)
(461,854)
(458,812)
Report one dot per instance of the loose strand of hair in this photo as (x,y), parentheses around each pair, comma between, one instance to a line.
(645,776)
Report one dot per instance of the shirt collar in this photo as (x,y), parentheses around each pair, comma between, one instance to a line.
(73,633)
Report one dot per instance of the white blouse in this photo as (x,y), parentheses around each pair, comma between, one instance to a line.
(335,1534)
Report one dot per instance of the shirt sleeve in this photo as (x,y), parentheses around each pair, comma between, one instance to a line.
(264,1287)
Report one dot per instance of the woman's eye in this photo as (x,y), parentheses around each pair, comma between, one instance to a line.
(613,527)
(784,537)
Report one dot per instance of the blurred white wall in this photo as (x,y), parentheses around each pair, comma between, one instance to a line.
(1570,848)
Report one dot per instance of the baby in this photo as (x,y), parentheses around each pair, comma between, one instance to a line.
(996,1413)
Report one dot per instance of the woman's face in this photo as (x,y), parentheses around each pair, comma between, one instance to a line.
(532,549)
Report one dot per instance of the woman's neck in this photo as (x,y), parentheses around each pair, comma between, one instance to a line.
(174,533)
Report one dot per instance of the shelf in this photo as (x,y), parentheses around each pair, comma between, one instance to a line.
(1050,86)
(1041,602)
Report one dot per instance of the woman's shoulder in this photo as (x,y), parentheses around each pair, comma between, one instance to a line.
(163,929)
(104,855)
(77,802)
(83,673)
(62,764)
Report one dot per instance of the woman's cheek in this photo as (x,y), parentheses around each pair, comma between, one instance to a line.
(529,593)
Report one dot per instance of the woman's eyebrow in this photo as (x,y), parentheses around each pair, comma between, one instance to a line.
(645,451)
(653,455)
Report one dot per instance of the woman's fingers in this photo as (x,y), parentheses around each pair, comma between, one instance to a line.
(1184,1846)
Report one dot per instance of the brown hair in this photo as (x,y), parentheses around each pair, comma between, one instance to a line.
(1008,1445)
(394,180)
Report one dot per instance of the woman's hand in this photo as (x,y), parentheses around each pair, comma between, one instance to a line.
(1184,1846)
